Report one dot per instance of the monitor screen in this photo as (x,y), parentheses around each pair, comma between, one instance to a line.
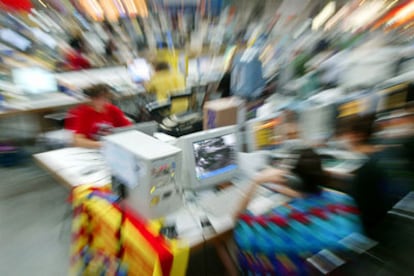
(140,70)
(34,80)
(215,156)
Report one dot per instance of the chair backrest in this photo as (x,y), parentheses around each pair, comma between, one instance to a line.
(181,101)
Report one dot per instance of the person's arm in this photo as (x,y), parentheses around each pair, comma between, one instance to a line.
(270,175)
(120,120)
(80,140)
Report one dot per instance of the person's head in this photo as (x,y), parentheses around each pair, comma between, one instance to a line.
(356,129)
(162,66)
(291,128)
(308,171)
(99,94)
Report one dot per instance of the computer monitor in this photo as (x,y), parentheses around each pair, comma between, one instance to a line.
(34,81)
(210,157)
(264,133)
(139,70)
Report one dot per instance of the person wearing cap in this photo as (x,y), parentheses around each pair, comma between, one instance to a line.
(97,118)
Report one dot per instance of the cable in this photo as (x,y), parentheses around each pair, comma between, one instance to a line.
(120,252)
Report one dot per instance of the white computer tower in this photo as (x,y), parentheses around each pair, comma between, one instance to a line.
(149,168)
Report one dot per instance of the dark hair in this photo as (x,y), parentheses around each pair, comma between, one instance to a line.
(291,116)
(309,169)
(358,124)
(160,66)
(97,90)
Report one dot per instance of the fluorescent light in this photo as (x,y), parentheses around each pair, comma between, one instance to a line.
(321,18)
(338,16)
(403,13)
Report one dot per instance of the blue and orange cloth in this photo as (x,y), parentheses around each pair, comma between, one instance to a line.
(279,242)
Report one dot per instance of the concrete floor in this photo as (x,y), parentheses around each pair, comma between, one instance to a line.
(34,233)
(34,236)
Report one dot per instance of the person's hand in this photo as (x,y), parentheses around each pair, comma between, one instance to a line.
(270,175)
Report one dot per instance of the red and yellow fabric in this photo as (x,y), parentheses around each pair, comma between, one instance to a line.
(137,245)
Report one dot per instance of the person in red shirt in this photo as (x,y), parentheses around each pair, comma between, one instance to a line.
(76,61)
(97,118)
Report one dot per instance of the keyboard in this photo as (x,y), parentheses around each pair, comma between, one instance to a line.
(228,201)
(222,203)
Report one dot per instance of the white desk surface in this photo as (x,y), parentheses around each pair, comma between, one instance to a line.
(75,166)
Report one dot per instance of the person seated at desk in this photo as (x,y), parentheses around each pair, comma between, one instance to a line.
(299,181)
(164,82)
(97,118)
(303,178)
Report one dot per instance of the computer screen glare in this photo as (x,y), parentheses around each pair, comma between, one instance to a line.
(34,80)
(140,70)
(215,156)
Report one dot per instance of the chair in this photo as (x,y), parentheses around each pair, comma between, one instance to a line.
(62,137)
(158,110)
(181,101)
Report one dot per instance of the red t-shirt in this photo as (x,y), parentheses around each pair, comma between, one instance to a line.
(76,61)
(94,124)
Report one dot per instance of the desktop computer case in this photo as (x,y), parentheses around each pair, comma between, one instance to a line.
(150,169)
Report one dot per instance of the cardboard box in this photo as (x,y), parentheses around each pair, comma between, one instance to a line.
(223,112)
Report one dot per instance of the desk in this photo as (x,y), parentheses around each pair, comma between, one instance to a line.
(26,119)
(75,166)
(42,105)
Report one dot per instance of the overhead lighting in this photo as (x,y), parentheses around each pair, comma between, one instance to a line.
(324,15)
(111,13)
(365,15)
(406,12)
(93,9)
(120,7)
(338,16)
(130,6)
(43,4)
(142,8)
